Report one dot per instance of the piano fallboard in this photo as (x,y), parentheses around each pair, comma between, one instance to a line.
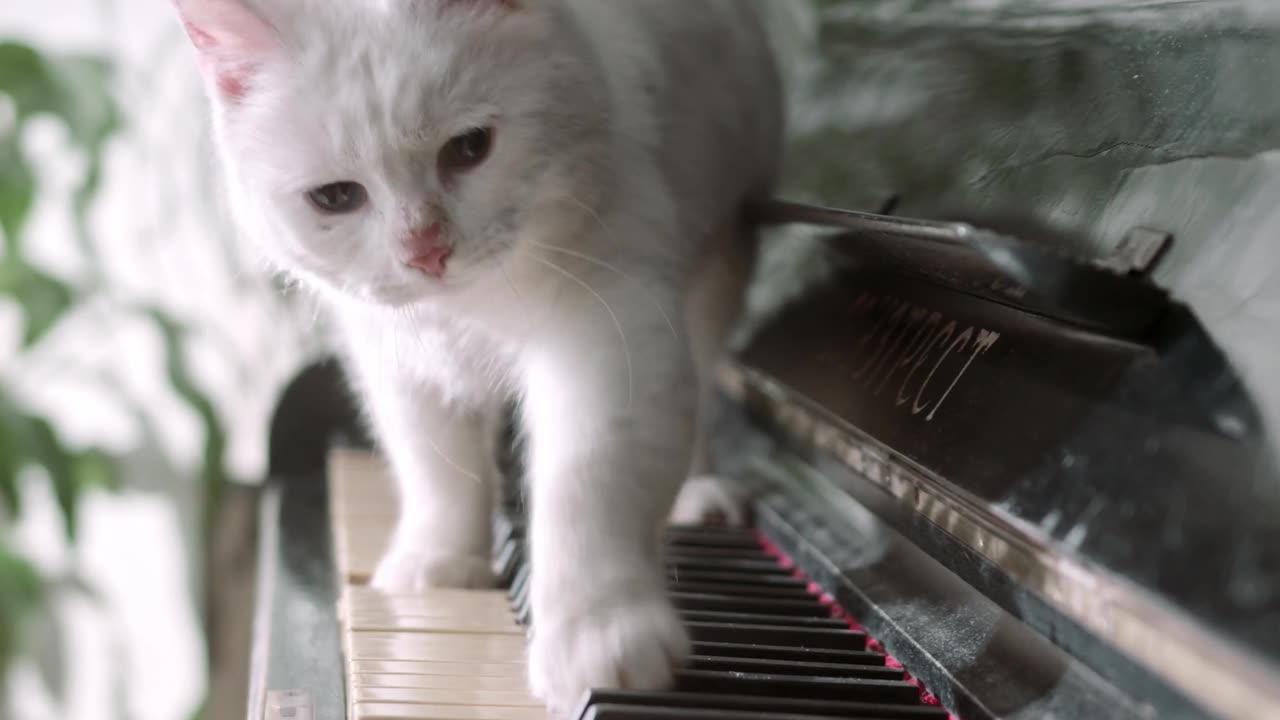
(1113,489)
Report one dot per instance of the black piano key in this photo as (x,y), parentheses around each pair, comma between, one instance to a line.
(733,553)
(510,560)
(796,687)
(629,712)
(764,566)
(791,667)
(711,537)
(742,590)
(791,621)
(789,652)
(507,525)
(520,606)
(736,578)
(776,635)
(739,543)
(732,705)
(721,602)
(520,582)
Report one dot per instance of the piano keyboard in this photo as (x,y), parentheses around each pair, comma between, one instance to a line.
(766,644)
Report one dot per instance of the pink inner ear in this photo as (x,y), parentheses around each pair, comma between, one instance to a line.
(231,39)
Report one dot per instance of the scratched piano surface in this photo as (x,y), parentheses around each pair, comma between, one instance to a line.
(1033,458)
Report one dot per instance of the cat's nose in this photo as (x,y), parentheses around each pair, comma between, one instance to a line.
(425,249)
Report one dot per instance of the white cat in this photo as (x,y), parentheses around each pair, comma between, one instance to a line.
(537,199)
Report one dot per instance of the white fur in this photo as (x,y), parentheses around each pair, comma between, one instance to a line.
(598,261)
(709,500)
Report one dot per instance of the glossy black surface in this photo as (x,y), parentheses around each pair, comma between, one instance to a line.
(296,635)
(301,640)
(976,658)
(1040,278)
(1146,459)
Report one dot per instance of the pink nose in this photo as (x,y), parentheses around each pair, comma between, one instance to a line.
(426,250)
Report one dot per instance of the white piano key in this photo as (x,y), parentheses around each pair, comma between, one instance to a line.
(431,655)
(462,647)
(444,696)
(394,711)
(508,684)
(457,601)
(429,624)
(444,669)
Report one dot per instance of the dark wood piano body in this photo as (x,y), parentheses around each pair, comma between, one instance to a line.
(1044,481)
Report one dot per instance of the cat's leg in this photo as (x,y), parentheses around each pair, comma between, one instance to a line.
(609,424)
(715,302)
(439,455)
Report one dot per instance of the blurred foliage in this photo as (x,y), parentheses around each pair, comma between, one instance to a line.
(74,90)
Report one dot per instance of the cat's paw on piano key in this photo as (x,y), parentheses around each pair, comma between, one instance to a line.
(709,500)
(411,571)
(627,644)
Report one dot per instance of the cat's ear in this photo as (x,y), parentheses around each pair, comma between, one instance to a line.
(231,41)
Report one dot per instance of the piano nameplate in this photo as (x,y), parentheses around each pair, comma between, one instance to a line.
(913,349)
(940,376)
(289,705)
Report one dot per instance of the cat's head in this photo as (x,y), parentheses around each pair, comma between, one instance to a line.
(393,150)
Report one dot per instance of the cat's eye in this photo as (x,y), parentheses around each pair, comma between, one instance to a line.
(338,198)
(466,150)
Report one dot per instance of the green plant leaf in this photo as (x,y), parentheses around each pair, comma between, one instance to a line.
(93,118)
(21,592)
(47,450)
(24,78)
(77,90)
(44,642)
(10,465)
(17,192)
(43,298)
(26,440)
(213,471)
(94,469)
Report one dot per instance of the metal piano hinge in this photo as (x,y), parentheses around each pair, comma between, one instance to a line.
(288,705)
(1138,253)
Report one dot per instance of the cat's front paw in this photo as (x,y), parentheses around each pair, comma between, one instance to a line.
(709,500)
(632,644)
(403,571)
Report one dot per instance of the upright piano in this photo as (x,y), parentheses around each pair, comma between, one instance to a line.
(988,480)
(999,468)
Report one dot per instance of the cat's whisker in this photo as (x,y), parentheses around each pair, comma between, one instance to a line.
(411,316)
(445,456)
(597,261)
(524,308)
(626,346)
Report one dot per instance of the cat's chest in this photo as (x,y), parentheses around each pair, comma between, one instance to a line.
(461,359)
